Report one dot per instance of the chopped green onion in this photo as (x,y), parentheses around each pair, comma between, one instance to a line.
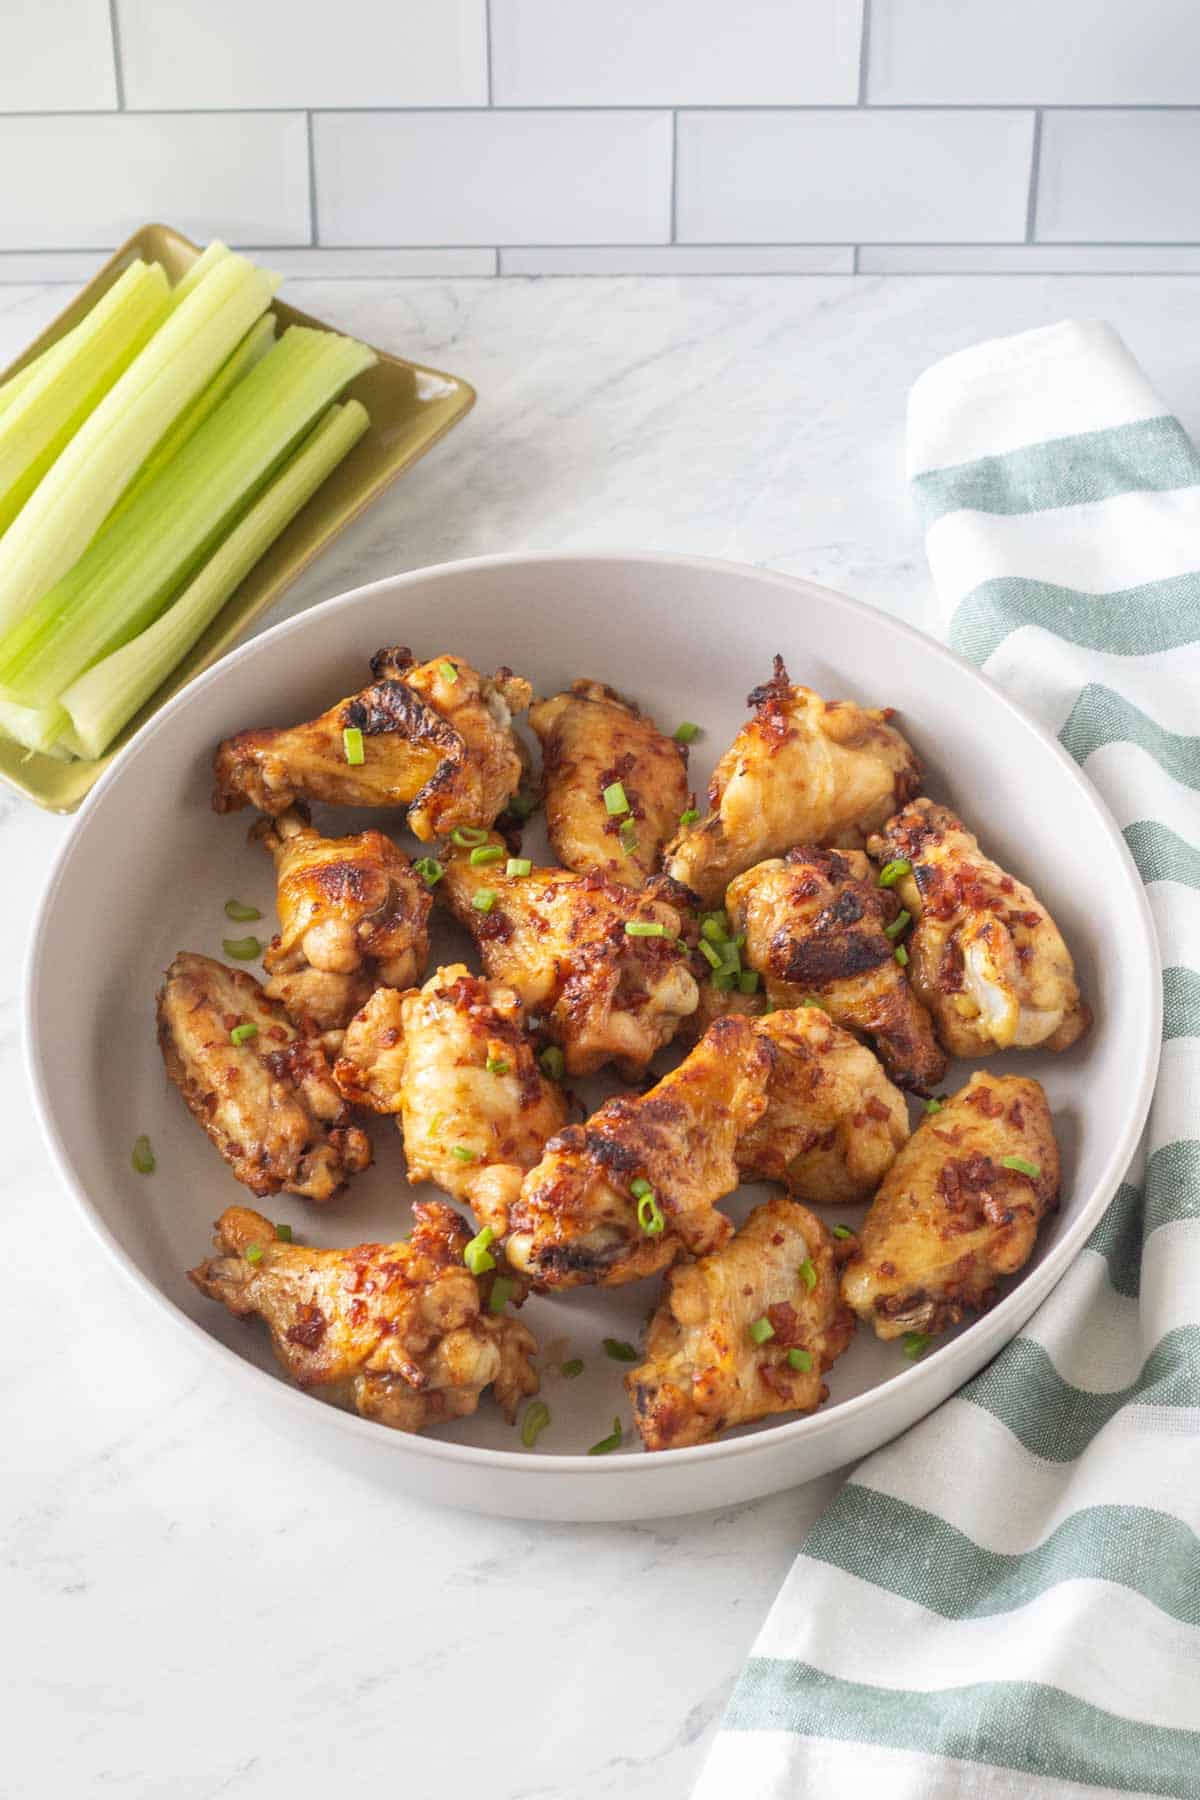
(429,869)
(901,955)
(710,955)
(467,836)
(748,981)
(142,1156)
(569,1370)
(936,1104)
(283,1233)
(891,872)
(688,816)
(842,1231)
(486,853)
(614,799)
(253,1253)
(523,805)
(761,1330)
(916,1343)
(483,899)
(724,980)
(241,1034)
(501,1293)
(434,1123)
(686,733)
(714,929)
(534,1422)
(650,1215)
(477,1256)
(818,1004)
(646,928)
(1022,1167)
(497,1065)
(800,1360)
(447,671)
(352,744)
(243,914)
(612,1442)
(461,1154)
(242,949)
(553,1062)
(639,1187)
(628,836)
(808,1274)
(619,1350)
(517,866)
(899,925)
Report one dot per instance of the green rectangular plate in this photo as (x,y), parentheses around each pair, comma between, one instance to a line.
(411,407)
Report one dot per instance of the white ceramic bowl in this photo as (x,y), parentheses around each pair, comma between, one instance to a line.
(149,865)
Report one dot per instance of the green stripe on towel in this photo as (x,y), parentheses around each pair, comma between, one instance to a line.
(1161,854)
(1100,717)
(1138,621)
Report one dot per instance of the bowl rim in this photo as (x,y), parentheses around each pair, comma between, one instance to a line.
(807,1428)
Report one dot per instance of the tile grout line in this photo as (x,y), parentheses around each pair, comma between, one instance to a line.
(674,174)
(487,49)
(114,26)
(750,110)
(1035,171)
(314,241)
(864,51)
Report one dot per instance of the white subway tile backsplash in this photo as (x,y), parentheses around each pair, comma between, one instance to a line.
(1028,259)
(775,177)
(681,259)
(219,53)
(89,180)
(1119,176)
(675,52)
(57,54)
(493,177)
(317,264)
(1072,52)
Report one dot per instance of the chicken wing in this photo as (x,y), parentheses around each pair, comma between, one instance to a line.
(631,1190)
(746,1332)
(456,1065)
(402,1332)
(985,955)
(802,771)
(353,914)
(960,1207)
(819,927)
(435,737)
(267,1100)
(595,744)
(833,1121)
(597,961)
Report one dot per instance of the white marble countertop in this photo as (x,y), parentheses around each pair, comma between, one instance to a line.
(194,1607)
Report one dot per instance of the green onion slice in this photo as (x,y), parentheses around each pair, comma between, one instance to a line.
(241,1034)
(498,1065)
(711,956)
(486,853)
(639,1187)
(615,802)
(553,1062)
(253,1253)
(612,1442)
(687,733)
(569,1370)
(619,1350)
(517,866)
(935,1104)
(234,909)
(352,744)
(646,928)
(916,1343)
(800,1360)
(429,869)
(523,805)
(483,899)
(447,671)
(842,1231)
(899,924)
(650,1215)
(901,955)
(762,1330)
(476,1255)
(891,872)
(688,816)
(628,836)
(142,1156)
(808,1274)
(242,949)
(534,1421)
(1032,1169)
(501,1293)
(283,1233)
(461,1154)
(748,981)
(467,836)
(724,980)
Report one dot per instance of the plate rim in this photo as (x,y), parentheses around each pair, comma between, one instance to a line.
(808,1428)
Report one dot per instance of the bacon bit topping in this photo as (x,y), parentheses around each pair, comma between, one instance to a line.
(876,1109)
(986,1101)
(309,1328)
(784,1318)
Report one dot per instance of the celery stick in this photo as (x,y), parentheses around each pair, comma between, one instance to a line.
(128,574)
(64,390)
(208,259)
(34,728)
(66,509)
(103,700)
(51,355)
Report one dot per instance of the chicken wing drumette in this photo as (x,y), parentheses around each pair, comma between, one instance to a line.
(636,1186)
(454,1063)
(598,962)
(833,1122)
(594,744)
(817,927)
(802,771)
(353,914)
(985,955)
(746,1332)
(959,1208)
(267,1099)
(402,1332)
(436,737)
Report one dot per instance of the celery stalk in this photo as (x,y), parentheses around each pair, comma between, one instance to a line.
(128,574)
(103,700)
(71,502)
(208,259)
(52,406)
(34,728)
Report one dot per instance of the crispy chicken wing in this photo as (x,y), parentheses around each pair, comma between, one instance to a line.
(269,1104)
(436,737)
(353,914)
(816,925)
(625,1194)
(454,1062)
(704,1370)
(563,943)
(803,771)
(593,741)
(833,1121)
(985,955)
(954,1213)
(401,1332)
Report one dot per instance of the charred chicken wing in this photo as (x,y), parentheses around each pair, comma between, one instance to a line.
(803,771)
(959,1207)
(434,737)
(614,785)
(401,1332)
(747,1331)
(599,962)
(985,955)
(353,914)
(266,1097)
(819,927)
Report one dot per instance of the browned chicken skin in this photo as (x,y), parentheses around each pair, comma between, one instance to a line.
(704,1372)
(950,1217)
(816,924)
(401,1332)
(802,771)
(436,738)
(560,941)
(591,740)
(269,1104)
(353,914)
(985,955)
(455,1063)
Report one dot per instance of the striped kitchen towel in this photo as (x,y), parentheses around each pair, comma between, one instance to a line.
(1005,1603)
